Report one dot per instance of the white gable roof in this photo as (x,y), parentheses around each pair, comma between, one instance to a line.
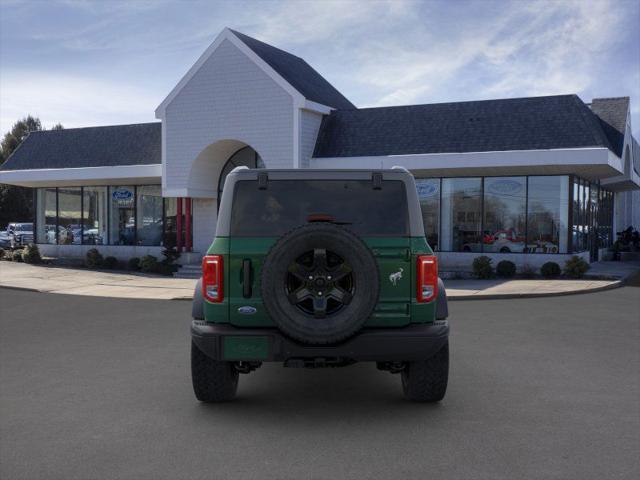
(227,34)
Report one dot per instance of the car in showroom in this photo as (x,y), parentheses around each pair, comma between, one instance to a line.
(19,235)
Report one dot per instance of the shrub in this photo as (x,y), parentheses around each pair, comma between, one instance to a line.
(575,267)
(482,267)
(17,256)
(506,269)
(165,269)
(550,270)
(31,254)
(134,264)
(110,263)
(149,263)
(170,254)
(2,253)
(94,258)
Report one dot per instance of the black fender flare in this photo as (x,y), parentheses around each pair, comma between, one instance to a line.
(197,306)
(442,308)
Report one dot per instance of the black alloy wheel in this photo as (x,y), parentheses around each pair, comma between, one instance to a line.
(320,283)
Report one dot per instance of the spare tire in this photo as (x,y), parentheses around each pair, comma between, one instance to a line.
(320,283)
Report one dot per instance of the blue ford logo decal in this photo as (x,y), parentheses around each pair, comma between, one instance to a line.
(427,189)
(505,187)
(122,194)
(247,310)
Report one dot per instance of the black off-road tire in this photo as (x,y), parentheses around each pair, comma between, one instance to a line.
(213,381)
(340,325)
(426,380)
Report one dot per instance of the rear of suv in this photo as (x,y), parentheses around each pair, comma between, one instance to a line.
(319,268)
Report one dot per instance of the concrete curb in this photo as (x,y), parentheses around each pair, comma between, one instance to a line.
(508,296)
(28,289)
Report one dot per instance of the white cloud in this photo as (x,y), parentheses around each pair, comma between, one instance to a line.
(72,101)
(297,22)
(385,52)
(529,49)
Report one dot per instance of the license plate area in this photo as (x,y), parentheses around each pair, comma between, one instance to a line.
(245,347)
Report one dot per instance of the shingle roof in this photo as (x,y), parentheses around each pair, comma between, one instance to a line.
(612,113)
(562,121)
(298,73)
(138,144)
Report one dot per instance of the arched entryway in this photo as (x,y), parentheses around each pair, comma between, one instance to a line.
(198,207)
(244,157)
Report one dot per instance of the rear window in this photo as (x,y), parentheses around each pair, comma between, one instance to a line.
(286,204)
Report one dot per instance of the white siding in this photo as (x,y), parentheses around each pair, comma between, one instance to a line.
(230,97)
(205,215)
(309,126)
(627,209)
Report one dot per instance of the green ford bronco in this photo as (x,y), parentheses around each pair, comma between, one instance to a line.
(319,268)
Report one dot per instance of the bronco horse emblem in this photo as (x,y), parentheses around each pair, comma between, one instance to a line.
(394,277)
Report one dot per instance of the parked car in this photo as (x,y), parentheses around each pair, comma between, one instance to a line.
(501,241)
(19,234)
(4,239)
(91,236)
(504,241)
(319,269)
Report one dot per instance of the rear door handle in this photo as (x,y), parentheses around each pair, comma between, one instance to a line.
(246,278)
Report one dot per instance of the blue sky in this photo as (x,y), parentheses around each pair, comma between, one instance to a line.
(84,63)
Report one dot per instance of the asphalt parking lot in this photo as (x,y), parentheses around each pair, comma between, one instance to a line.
(100,388)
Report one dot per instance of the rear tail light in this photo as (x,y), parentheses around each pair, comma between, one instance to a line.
(427,278)
(212,275)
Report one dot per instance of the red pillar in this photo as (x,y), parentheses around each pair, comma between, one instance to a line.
(187,225)
(179,224)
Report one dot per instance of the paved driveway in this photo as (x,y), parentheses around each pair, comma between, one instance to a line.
(99,388)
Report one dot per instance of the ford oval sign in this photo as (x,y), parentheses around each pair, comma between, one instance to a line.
(427,189)
(247,310)
(122,194)
(505,187)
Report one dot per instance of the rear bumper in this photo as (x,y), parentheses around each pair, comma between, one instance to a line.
(226,342)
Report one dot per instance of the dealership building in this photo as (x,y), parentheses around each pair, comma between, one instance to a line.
(525,179)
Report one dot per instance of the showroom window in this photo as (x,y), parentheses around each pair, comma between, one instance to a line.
(516,214)
(547,214)
(461,214)
(46,215)
(429,195)
(69,216)
(577,234)
(592,214)
(103,215)
(122,216)
(149,215)
(605,221)
(505,214)
(94,208)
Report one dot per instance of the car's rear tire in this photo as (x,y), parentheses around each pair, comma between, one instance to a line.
(426,380)
(213,381)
